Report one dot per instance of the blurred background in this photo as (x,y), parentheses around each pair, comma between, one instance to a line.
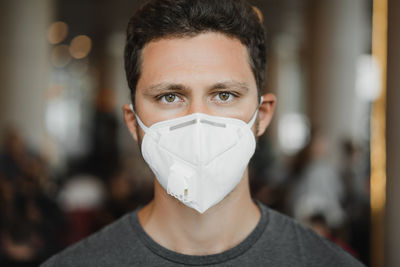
(68,165)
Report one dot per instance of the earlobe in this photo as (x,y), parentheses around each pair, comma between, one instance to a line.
(130,120)
(265,112)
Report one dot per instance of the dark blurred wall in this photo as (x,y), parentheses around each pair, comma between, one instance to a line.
(392,257)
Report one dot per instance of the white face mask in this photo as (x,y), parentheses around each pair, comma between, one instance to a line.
(198,158)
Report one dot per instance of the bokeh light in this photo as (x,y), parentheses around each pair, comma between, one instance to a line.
(293,132)
(80,46)
(57,32)
(368,78)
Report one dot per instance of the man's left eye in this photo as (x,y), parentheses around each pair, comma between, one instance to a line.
(224,96)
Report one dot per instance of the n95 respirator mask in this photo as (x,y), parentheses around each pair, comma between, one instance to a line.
(198,158)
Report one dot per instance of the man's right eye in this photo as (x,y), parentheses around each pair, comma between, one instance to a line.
(169,98)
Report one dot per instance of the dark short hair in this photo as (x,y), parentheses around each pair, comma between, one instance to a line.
(159,19)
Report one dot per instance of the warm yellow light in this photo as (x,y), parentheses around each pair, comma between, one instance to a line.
(378,136)
(60,56)
(259,13)
(80,46)
(57,32)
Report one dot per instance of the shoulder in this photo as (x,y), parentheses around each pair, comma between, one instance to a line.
(102,248)
(292,241)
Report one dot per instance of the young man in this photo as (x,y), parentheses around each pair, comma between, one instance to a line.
(195,69)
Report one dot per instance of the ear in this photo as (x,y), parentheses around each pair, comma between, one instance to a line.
(130,120)
(265,112)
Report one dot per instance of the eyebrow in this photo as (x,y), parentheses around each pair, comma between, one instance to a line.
(231,84)
(166,87)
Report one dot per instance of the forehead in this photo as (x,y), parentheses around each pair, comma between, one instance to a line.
(207,57)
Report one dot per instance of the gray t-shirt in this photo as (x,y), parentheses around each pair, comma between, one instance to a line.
(277,240)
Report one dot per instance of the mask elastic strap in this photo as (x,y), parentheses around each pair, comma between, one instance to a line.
(141,124)
(253,119)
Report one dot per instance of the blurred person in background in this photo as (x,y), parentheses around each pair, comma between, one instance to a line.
(31,223)
(81,198)
(355,177)
(127,190)
(316,187)
(332,201)
(196,70)
(103,156)
(15,156)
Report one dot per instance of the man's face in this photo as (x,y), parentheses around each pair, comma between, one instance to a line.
(209,73)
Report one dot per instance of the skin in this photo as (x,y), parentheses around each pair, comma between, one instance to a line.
(208,73)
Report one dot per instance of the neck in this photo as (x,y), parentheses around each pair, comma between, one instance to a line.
(182,229)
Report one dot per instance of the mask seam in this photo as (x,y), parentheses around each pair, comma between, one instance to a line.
(177,157)
(220,154)
(201,164)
